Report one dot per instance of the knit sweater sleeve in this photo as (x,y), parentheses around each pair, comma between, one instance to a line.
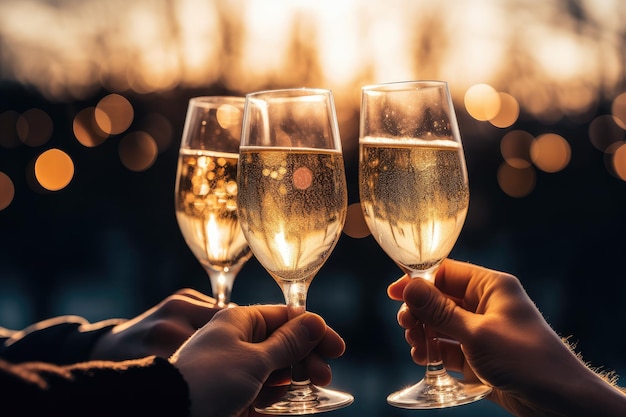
(60,340)
(142,387)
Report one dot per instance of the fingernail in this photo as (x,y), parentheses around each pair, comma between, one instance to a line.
(313,326)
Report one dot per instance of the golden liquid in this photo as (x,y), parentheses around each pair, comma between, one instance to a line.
(206,209)
(415,198)
(292,207)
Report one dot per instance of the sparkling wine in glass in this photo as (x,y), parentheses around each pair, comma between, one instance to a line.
(206,189)
(414,192)
(292,206)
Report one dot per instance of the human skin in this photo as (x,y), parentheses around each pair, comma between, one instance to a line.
(245,349)
(491,330)
(158,331)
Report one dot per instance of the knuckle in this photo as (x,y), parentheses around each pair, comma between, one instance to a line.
(443,314)
(162,330)
(172,304)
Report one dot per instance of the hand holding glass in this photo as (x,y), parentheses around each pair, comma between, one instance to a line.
(414,193)
(292,207)
(206,189)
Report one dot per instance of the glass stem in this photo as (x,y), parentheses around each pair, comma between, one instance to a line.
(434,361)
(295,297)
(222,285)
(434,364)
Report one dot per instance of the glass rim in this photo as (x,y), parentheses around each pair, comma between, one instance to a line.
(206,100)
(290,92)
(404,85)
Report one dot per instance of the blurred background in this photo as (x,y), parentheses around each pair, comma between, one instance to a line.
(93,96)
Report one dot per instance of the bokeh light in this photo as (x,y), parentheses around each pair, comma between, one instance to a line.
(54,169)
(549,82)
(7,191)
(515,148)
(482,102)
(229,118)
(539,102)
(118,75)
(516,182)
(508,113)
(138,151)
(615,160)
(355,225)
(34,127)
(114,114)
(245,45)
(86,130)
(550,152)
(618,110)
(159,128)
(579,102)
(604,131)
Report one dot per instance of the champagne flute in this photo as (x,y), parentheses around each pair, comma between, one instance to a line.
(206,190)
(414,192)
(292,206)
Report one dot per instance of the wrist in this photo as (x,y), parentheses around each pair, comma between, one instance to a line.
(588,393)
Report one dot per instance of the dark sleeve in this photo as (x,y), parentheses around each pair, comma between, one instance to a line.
(60,340)
(143,387)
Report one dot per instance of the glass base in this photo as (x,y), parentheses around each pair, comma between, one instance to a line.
(438,391)
(306,398)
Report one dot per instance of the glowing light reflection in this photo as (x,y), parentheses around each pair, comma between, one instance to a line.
(482,102)
(138,151)
(214,238)
(604,131)
(618,110)
(86,130)
(114,114)
(550,152)
(562,68)
(249,44)
(618,161)
(516,182)
(34,127)
(7,191)
(285,250)
(54,169)
(355,225)
(508,112)
(515,148)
